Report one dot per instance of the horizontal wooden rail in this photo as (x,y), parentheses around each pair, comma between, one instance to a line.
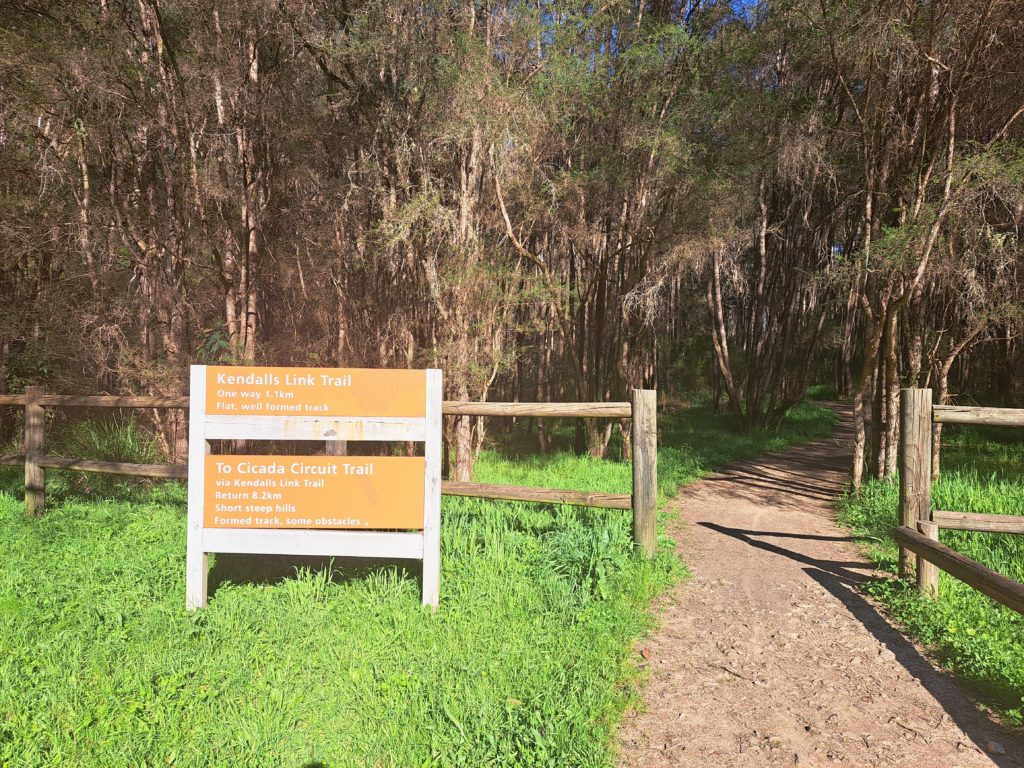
(970,521)
(574,410)
(176,471)
(970,414)
(450,408)
(12,459)
(113,401)
(641,411)
(985,580)
(521,493)
(101,401)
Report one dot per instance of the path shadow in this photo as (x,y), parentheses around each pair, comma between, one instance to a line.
(841,570)
(767,483)
(266,570)
(780,534)
(841,580)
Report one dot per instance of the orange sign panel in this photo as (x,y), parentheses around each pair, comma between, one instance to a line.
(314,492)
(357,392)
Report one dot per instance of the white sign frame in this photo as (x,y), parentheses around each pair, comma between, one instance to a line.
(422,545)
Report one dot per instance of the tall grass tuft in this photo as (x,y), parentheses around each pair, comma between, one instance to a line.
(119,438)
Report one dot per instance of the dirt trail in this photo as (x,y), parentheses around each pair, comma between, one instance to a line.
(771,655)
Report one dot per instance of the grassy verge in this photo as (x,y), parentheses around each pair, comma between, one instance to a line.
(528,662)
(979,639)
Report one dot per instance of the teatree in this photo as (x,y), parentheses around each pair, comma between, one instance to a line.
(551,201)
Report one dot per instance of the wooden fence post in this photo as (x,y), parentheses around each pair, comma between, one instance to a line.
(928,573)
(35,444)
(915,466)
(645,470)
(336,448)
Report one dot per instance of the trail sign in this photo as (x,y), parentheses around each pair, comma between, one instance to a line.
(369,506)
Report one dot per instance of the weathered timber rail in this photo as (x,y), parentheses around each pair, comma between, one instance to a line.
(450,408)
(1006,591)
(640,410)
(970,414)
(521,493)
(975,521)
(169,471)
(918,534)
(574,410)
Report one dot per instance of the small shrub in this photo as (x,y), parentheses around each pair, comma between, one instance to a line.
(586,556)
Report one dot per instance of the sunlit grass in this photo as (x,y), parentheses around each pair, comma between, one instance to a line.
(528,662)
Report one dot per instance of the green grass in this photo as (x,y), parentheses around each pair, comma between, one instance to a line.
(528,662)
(978,638)
(822,392)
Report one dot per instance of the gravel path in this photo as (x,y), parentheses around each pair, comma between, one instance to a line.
(771,655)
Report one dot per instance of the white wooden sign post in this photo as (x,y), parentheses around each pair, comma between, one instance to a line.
(345,506)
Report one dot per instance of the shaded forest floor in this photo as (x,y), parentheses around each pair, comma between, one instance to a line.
(771,654)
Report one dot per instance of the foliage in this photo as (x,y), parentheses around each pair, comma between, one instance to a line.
(973,635)
(119,438)
(550,201)
(527,663)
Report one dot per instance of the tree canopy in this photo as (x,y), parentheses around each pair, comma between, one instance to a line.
(549,200)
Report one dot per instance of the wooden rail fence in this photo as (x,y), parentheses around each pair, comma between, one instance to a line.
(641,410)
(918,533)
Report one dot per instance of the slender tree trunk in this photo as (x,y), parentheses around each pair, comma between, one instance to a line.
(874,333)
(892,385)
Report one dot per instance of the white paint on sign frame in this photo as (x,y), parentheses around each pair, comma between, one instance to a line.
(425,427)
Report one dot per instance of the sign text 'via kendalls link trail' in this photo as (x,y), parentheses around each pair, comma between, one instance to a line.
(369,506)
